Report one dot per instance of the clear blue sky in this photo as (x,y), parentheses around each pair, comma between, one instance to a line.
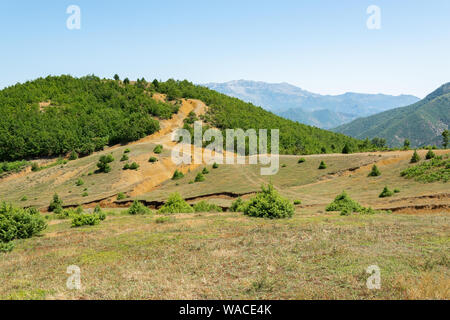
(320,45)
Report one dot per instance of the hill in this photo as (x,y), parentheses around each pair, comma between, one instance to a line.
(422,123)
(323,111)
(56,115)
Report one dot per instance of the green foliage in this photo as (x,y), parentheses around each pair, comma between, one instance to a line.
(269,204)
(445,135)
(344,203)
(121,196)
(204,206)
(322,165)
(406,144)
(85,220)
(24,198)
(415,158)
(56,204)
(73,156)
(437,169)
(396,190)
(215,166)
(346,149)
(375,172)
(176,204)
(177,175)
(226,112)
(158,149)
(15,166)
(79,182)
(35,167)
(386,193)
(199,177)
(301,160)
(138,208)
(85,115)
(205,171)
(153,160)
(297,202)
(430,155)
(103,163)
(116,77)
(124,158)
(239,205)
(18,223)
(85,194)
(127,151)
(133,166)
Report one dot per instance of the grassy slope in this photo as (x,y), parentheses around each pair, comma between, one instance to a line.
(421,122)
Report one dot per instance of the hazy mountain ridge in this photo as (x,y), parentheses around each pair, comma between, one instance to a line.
(422,123)
(324,111)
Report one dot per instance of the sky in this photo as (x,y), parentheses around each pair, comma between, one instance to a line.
(323,46)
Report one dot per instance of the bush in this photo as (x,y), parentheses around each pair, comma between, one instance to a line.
(346,149)
(430,155)
(415,158)
(375,172)
(297,202)
(79,183)
(158,149)
(127,151)
(199,177)
(124,158)
(153,160)
(56,204)
(205,171)
(24,198)
(73,156)
(85,194)
(121,196)
(176,204)
(396,190)
(103,163)
(344,204)
(18,223)
(85,220)
(437,169)
(203,206)
(301,160)
(322,165)
(215,165)
(177,175)
(269,204)
(138,208)
(238,205)
(386,193)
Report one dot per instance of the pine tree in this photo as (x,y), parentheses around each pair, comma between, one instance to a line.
(375,172)
(445,135)
(322,165)
(415,158)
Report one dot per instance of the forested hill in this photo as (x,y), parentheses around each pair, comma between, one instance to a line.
(226,112)
(55,115)
(422,123)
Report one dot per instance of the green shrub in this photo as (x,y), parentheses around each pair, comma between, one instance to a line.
(176,204)
(284,165)
(35,167)
(415,158)
(344,204)
(346,149)
(153,160)
(73,156)
(375,172)
(437,169)
(205,171)
(430,155)
(134,166)
(269,204)
(297,202)
(386,193)
(322,165)
(199,177)
(24,198)
(85,220)
(396,190)
(239,205)
(301,160)
(126,166)
(177,175)
(124,158)
(203,206)
(164,219)
(85,194)
(215,165)
(121,196)
(138,208)
(103,163)
(127,151)
(55,204)
(158,149)
(18,223)
(79,182)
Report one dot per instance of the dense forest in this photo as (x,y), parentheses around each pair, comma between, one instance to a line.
(226,112)
(56,115)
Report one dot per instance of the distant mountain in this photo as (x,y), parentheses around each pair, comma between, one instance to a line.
(324,111)
(422,123)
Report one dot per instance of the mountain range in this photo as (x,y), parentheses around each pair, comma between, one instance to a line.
(323,111)
(422,122)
